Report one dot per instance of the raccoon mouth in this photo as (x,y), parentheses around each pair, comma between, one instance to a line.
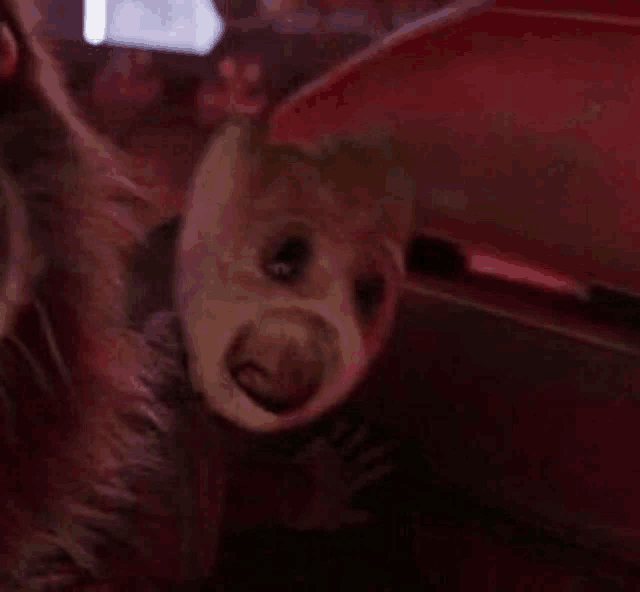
(281,363)
(272,393)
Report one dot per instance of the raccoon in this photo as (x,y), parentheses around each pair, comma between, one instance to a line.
(288,267)
(112,478)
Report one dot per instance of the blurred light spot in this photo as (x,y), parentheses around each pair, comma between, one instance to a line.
(191,26)
(517,272)
(95,21)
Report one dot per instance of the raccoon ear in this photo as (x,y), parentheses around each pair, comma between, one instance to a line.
(223,173)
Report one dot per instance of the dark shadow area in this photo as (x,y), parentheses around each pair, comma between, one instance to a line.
(487,414)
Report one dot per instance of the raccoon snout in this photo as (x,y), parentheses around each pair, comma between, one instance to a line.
(281,362)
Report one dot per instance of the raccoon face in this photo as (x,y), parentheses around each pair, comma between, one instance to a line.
(285,290)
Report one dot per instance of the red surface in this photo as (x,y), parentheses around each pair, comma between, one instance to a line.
(527,126)
(619,7)
(538,426)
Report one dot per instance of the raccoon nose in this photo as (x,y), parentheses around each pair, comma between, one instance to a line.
(281,362)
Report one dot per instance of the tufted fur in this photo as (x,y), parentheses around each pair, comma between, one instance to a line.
(84,437)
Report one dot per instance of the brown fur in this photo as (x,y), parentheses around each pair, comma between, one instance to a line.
(82,431)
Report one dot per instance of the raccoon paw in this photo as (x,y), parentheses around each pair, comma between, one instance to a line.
(340,465)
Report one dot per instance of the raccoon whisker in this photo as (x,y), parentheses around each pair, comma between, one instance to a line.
(39,373)
(51,342)
(397,255)
(10,411)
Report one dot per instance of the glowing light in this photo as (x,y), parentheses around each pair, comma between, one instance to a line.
(191,26)
(521,273)
(94,28)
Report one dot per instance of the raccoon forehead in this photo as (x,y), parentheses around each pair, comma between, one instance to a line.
(272,164)
(288,168)
(339,167)
(357,213)
(288,196)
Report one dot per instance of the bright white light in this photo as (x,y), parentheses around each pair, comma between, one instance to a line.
(192,26)
(95,21)
(209,26)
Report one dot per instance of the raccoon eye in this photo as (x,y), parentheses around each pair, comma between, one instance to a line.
(289,259)
(369,292)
